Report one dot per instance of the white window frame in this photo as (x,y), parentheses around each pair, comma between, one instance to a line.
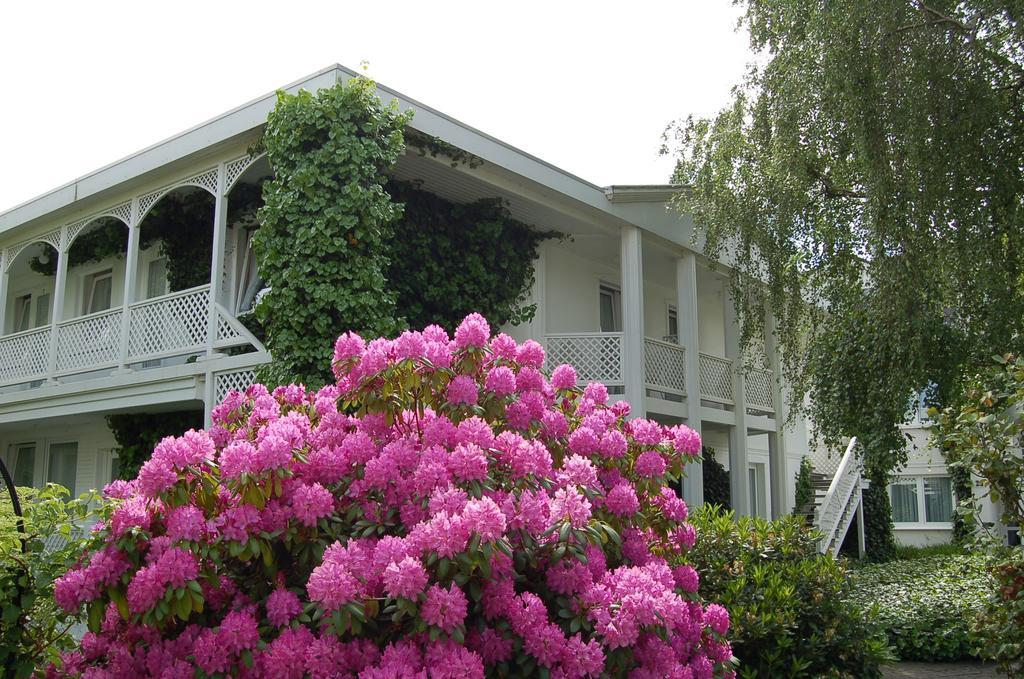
(922,516)
(47,445)
(89,281)
(671,310)
(36,479)
(616,295)
(33,307)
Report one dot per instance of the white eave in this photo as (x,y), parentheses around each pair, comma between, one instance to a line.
(641,193)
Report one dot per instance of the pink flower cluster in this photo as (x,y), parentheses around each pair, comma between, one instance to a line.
(444,508)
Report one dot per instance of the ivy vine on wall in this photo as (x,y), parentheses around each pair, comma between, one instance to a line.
(326,221)
(138,433)
(449,260)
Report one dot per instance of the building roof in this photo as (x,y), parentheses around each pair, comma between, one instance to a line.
(86,192)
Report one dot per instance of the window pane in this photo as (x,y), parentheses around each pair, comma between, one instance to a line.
(24,466)
(42,310)
(156,278)
(99,300)
(904,502)
(673,323)
(938,499)
(607,311)
(63,464)
(752,481)
(22,313)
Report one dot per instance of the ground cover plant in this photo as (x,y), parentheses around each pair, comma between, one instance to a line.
(926,604)
(790,605)
(444,509)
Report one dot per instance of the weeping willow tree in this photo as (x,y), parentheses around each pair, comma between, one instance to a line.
(866,181)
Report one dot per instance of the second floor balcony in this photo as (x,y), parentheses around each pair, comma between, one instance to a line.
(599,357)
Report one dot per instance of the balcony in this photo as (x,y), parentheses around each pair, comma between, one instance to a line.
(598,357)
(172,326)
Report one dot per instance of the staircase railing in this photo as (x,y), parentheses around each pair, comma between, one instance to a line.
(837,509)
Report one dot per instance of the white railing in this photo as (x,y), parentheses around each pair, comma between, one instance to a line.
(89,342)
(169,325)
(836,511)
(665,366)
(24,355)
(759,386)
(596,356)
(715,378)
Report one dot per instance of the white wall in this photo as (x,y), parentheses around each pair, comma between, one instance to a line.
(571,295)
(94,445)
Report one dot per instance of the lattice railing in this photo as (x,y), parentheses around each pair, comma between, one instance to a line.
(760,389)
(170,324)
(89,342)
(235,380)
(597,356)
(715,378)
(665,366)
(23,356)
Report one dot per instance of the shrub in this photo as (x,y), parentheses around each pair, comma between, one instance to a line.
(716,480)
(997,629)
(33,630)
(925,604)
(789,605)
(444,505)
(804,488)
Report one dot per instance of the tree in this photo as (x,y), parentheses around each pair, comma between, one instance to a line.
(866,183)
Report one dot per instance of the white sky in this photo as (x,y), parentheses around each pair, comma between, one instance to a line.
(587,86)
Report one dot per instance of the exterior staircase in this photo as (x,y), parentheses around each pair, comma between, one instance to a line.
(836,501)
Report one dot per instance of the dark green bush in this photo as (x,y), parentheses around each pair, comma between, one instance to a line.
(925,604)
(791,610)
(804,487)
(716,480)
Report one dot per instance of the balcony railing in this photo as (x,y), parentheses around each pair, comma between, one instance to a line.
(665,367)
(715,379)
(161,327)
(760,390)
(597,356)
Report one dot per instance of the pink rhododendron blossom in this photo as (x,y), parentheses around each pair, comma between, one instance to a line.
(564,377)
(462,391)
(501,380)
(405,578)
(650,464)
(473,332)
(445,608)
(282,606)
(310,503)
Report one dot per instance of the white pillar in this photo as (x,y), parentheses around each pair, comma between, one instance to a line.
(862,549)
(59,287)
(537,329)
(739,464)
(4,283)
(779,475)
(689,338)
(220,220)
(633,318)
(131,268)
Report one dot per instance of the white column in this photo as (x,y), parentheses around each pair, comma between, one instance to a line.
(862,549)
(220,220)
(633,318)
(131,268)
(779,475)
(537,329)
(59,287)
(4,283)
(689,338)
(739,483)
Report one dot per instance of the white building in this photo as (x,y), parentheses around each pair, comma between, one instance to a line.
(629,300)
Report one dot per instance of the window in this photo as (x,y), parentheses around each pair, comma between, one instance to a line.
(156,278)
(62,464)
(922,499)
(31,310)
(23,313)
(673,324)
(23,462)
(611,308)
(97,290)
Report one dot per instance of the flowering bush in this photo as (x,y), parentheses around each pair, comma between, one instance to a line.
(443,510)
